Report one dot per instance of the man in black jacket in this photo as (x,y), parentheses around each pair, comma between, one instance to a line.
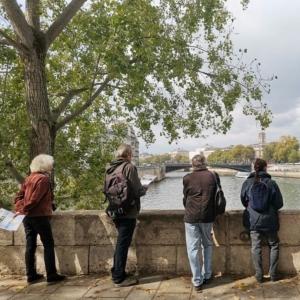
(262,224)
(125,223)
(199,189)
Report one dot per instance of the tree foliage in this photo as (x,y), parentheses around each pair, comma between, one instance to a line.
(268,151)
(238,154)
(181,158)
(146,62)
(286,150)
(156,159)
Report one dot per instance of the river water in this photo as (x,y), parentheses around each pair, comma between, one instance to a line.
(167,194)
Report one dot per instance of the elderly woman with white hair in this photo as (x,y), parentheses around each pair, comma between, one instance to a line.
(35,200)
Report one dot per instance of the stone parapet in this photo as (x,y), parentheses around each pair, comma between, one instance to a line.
(84,243)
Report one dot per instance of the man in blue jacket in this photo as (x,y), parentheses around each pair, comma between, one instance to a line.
(262,199)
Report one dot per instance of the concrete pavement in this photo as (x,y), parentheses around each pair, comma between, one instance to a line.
(149,288)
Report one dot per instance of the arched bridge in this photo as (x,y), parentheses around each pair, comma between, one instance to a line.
(178,166)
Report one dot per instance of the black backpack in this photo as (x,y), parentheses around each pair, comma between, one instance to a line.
(220,200)
(117,193)
(259,196)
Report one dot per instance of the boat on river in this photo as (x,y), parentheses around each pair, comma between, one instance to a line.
(242,174)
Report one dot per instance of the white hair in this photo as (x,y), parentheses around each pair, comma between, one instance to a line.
(124,151)
(42,163)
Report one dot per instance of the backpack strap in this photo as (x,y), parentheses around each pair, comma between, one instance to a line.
(216,180)
(124,165)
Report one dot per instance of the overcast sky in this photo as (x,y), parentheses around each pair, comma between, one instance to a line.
(269,29)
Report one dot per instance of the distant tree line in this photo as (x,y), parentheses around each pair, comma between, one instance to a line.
(238,154)
(286,150)
(164,158)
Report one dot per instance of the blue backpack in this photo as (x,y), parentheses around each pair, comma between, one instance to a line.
(259,196)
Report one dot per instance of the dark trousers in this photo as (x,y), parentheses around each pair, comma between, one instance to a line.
(125,228)
(256,249)
(34,226)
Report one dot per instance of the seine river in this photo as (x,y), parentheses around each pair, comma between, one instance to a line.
(167,194)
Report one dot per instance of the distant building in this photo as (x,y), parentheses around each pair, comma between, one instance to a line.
(259,147)
(132,140)
(145,155)
(206,150)
(179,151)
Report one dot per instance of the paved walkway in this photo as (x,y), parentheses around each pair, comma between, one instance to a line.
(150,288)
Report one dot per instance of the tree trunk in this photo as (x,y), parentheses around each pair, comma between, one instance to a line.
(43,129)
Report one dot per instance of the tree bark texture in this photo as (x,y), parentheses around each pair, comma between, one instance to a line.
(43,129)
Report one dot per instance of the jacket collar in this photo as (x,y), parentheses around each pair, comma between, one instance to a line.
(201,168)
(261,174)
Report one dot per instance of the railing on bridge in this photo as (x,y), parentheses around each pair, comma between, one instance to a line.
(238,167)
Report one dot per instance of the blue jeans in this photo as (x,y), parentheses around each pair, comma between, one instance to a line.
(256,249)
(199,235)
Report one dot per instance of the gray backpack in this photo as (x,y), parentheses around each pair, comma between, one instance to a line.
(117,193)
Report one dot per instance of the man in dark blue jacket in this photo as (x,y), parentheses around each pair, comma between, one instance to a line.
(262,223)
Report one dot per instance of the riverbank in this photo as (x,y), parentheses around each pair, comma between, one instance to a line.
(285,174)
(224,172)
(282,174)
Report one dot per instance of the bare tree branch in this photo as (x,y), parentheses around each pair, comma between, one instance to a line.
(207,74)
(18,21)
(33,13)
(211,75)
(62,21)
(11,42)
(14,171)
(86,105)
(56,112)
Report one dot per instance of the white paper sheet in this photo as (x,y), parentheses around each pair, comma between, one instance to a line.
(10,221)
(147,179)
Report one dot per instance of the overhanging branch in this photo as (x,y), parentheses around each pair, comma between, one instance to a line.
(14,171)
(11,42)
(62,21)
(18,21)
(33,13)
(86,105)
(65,102)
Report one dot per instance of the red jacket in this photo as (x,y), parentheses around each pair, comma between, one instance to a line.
(35,197)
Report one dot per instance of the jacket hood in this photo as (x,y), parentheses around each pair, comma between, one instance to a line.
(114,164)
(261,174)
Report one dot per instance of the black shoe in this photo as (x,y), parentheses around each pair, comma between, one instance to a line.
(128,281)
(198,288)
(55,278)
(259,279)
(275,278)
(35,279)
(208,280)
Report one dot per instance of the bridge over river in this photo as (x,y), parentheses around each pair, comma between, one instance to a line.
(169,167)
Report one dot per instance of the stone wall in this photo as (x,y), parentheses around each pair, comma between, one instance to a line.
(85,239)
